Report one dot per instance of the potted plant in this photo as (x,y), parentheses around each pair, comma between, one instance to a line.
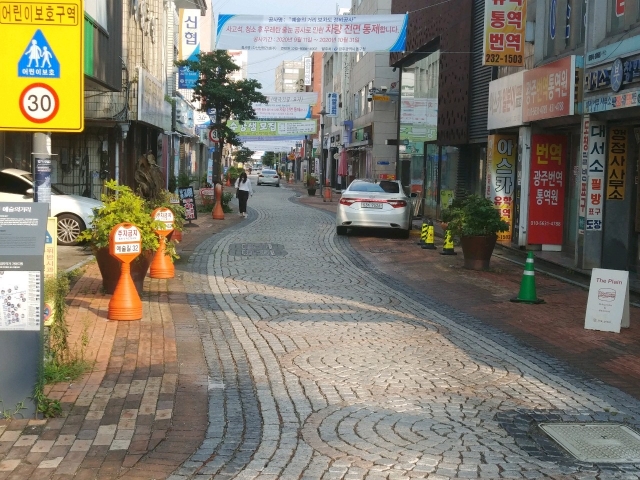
(311,185)
(121,205)
(476,222)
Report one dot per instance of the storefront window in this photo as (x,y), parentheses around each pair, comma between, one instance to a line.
(449,159)
(431,180)
(15,150)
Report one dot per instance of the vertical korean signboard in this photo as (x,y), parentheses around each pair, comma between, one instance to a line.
(596,160)
(501,173)
(189,45)
(546,189)
(504,28)
(617,163)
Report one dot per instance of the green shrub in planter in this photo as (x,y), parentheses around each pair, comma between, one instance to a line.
(473,216)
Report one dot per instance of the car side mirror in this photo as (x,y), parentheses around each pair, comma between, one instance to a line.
(30,192)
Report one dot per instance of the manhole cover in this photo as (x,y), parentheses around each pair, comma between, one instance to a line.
(596,442)
(257,250)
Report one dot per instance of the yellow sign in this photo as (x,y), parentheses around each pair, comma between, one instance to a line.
(504,29)
(50,265)
(42,65)
(501,177)
(381,98)
(617,162)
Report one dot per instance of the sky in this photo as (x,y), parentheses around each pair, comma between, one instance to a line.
(261,65)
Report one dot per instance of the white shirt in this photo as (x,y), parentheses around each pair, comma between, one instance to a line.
(246,186)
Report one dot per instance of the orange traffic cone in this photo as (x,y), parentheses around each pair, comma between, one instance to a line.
(228,183)
(162,266)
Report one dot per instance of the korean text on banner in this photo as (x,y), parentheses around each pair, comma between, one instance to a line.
(501,175)
(617,162)
(313,33)
(596,159)
(189,45)
(548,90)
(546,189)
(504,29)
(42,66)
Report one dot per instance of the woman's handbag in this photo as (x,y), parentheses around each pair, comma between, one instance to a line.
(237,190)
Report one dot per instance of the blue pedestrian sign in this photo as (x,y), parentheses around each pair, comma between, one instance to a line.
(38,60)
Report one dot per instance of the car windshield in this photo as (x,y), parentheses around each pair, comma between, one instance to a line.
(54,190)
(382,187)
(269,172)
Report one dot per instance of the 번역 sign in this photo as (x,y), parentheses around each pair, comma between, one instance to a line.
(42,65)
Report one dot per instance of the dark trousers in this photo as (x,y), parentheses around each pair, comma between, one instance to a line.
(243,196)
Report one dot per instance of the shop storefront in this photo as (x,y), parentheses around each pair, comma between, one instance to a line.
(547,176)
(609,223)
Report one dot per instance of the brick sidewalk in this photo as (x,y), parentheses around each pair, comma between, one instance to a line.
(142,410)
(556,327)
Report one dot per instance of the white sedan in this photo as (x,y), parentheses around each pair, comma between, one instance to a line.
(380,205)
(268,177)
(73,211)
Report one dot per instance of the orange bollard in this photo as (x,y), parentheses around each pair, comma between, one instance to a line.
(327,194)
(218,213)
(162,265)
(125,244)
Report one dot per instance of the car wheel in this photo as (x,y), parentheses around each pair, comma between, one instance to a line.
(69,227)
(341,230)
(278,184)
(405,233)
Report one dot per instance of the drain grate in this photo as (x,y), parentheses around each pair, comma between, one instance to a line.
(596,442)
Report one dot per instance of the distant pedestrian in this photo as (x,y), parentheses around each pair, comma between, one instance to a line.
(243,190)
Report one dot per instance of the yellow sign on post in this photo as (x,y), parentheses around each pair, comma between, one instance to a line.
(42,65)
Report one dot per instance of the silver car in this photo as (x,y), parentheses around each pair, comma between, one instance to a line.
(366,204)
(268,177)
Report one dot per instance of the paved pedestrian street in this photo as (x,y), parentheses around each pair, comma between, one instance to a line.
(321,366)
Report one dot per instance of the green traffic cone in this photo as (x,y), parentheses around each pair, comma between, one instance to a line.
(528,285)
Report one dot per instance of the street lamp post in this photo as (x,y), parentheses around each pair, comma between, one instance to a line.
(321,179)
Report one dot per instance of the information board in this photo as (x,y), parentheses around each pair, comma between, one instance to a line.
(188,201)
(608,304)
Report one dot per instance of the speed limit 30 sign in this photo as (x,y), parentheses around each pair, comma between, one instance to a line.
(42,65)
(39,103)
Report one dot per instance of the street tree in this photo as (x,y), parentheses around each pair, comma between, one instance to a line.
(269,159)
(231,99)
(242,155)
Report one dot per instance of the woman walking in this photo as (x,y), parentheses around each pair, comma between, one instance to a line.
(243,190)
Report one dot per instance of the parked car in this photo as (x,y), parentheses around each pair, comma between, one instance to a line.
(73,211)
(268,177)
(379,205)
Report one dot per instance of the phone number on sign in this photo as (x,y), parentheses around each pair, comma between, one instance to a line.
(497,58)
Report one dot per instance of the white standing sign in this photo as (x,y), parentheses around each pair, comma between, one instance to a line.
(608,304)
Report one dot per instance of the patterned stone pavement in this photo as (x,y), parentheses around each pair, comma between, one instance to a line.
(322,367)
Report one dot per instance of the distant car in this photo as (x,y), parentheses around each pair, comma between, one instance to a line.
(382,205)
(268,177)
(73,211)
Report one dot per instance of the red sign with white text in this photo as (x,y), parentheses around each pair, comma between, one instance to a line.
(546,189)
(548,90)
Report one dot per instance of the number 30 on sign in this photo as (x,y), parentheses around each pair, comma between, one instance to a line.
(39,102)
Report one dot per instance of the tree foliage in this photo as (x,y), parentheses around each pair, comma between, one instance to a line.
(243,155)
(215,89)
(269,159)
